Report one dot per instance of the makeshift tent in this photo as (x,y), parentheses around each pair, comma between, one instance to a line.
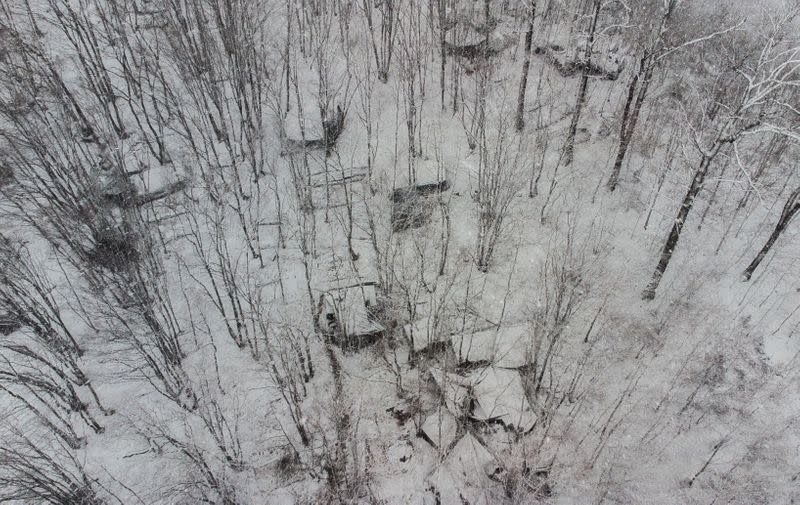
(347,315)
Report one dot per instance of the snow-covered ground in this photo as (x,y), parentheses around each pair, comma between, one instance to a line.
(542,378)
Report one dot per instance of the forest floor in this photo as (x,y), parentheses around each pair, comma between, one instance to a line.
(689,398)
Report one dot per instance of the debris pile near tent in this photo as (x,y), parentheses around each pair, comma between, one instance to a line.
(489,395)
(607,67)
(498,396)
(440,429)
(8,324)
(411,205)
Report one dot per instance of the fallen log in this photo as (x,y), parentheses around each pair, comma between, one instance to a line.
(331,130)
(482,49)
(572,68)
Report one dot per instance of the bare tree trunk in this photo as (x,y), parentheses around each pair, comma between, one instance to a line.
(526,65)
(440,4)
(712,199)
(624,134)
(383,47)
(630,119)
(643,76)
(569,146)
(789,211)
(675,233)
(288,53)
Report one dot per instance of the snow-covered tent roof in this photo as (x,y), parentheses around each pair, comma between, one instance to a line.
(499,395)
(455,390)
(463,477)
(349,307)
(424,332)
(506,346)
(487,394)
(428,172)
(440,428)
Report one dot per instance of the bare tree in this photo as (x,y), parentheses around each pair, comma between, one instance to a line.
(500,161)
(583,80)
(757,85)
(412,62)
(563,291)
(48,363)
(225,279)
(654,53)
(519,123)
(790,210)
(207,480)
(35,471)
(383,33)
(138,310)
(227,68)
